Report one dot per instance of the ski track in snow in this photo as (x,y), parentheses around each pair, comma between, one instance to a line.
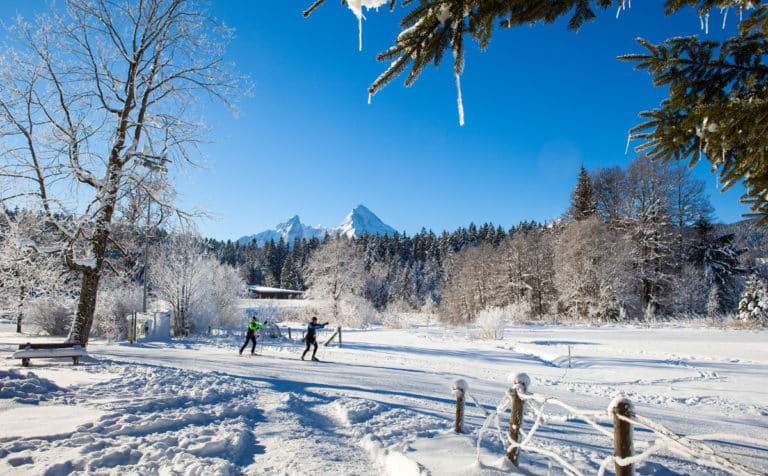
(380,405)
(161,420)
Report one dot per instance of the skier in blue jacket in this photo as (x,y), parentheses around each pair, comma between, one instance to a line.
(311,337)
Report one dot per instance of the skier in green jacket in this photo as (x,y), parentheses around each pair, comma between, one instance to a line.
(253,326)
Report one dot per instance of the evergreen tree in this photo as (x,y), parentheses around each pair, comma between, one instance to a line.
(720,260)
(290,275)
(718,98)
(717,105)
(713,301)
(498,236)
(583,198)
(753,306)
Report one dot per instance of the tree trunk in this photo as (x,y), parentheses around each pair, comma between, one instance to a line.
(20,311)
(81,325)
(91,274)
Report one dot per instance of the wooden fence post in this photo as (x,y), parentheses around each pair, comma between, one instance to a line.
(520,383)
(289,334)
(622,434)
(336,333)
(460,388)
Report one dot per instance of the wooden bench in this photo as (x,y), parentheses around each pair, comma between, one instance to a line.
(49,350)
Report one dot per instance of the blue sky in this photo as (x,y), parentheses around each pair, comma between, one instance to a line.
(538,103)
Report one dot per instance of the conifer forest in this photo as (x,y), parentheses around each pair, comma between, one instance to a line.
(636,244)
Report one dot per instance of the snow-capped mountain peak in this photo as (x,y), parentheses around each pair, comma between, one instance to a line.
(292,224)
(360,221)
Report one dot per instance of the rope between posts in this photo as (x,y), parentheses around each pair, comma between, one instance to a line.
(503,404)
(573,411)
(689,447)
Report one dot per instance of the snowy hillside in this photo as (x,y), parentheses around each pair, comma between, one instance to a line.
(383,404)
(360,221)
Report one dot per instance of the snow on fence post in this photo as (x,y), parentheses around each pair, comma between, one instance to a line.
(460,389)
(520,383)
(621,408)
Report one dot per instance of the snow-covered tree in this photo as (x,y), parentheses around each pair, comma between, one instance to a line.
(720,260)
(714,307)
(753,306)
(610,191)
(648,229)
(518,269)
(200,290)
(470,284)
(687,199)
(94,98)
(177,277)
(335,270)
(220,297)
(691,291)
(688,205)
(28,268)
(592,271)
(539,248)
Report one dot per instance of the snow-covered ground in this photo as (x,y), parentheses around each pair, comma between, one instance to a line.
(382,404)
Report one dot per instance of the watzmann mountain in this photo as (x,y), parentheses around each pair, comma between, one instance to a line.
(360,221)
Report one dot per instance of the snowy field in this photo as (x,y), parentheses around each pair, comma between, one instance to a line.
(382,404)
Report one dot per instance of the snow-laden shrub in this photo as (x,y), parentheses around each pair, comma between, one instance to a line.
(519,311)
(320,310)
(491,323)
(753,306)
(52,315)
(393,319)
(353,311)
(357,312)
(398,315)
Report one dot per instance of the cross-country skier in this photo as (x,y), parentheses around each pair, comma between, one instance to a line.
(311,337)
(251,335)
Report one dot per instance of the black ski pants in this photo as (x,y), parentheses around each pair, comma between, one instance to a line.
(312,341)
(250,336)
